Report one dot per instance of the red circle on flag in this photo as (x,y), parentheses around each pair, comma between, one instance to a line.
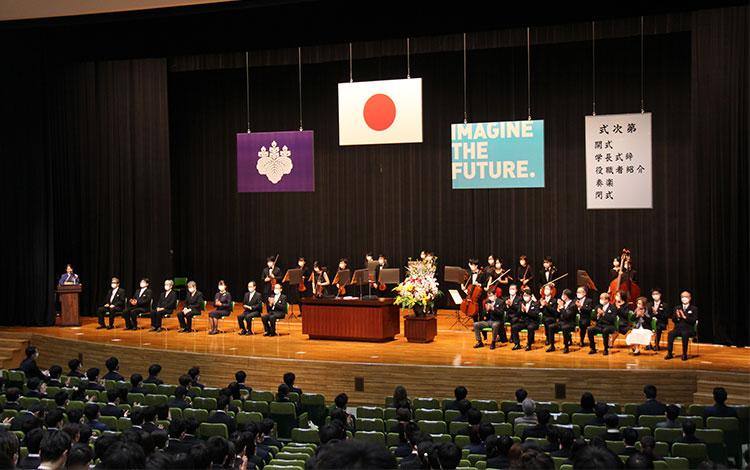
(380,112)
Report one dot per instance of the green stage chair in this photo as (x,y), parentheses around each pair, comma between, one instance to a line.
(207,430)
(370,412)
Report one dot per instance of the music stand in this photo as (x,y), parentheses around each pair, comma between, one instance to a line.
(389,276)
(457,275)
(342,278)
(360,278)
(294,278)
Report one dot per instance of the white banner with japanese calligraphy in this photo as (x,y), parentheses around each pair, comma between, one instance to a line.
(618,161)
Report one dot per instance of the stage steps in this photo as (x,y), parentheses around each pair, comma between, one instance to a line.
(12,349)
(737,386)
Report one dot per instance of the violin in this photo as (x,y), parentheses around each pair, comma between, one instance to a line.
(270,272)
(524,280)
(553,289)
(628,288)
(498,289)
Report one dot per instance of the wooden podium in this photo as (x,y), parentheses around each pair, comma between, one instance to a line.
(68,295)
(420,329)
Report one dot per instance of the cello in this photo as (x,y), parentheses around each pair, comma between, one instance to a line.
(628,288)
(470,304)
(270,272)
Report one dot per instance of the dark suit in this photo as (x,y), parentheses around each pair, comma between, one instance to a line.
(116,306)
(662,319)
(683,327)
(25,421)
(113,375)
(651,407)
(526,319)
(604,325)
(538,430)
(253,308)
(142,305)
(586,307)
(177,446)
(566,324)
(520,271)
(550,317)
(194,304)
(153,380)
(546,276)
(491,316)
(166,301)
(611,435)
(29,367)
(110,409)
(29,462)
(275,312)
(175,403)
(223,418)
(720,411)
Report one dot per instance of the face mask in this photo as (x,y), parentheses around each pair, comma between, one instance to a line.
(222,288)
(143,285)
(580,296)
(605,303)
(547,292)
(251,289)
(277,292)
(191,289)
(114,286)
(342,266)
(526,298)
(167,287)
(523,263)
(300,263)
(512,292)
(685,300)
(656,298)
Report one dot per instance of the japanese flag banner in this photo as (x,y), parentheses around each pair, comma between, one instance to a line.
(380,112)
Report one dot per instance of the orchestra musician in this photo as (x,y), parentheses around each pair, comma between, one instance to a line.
(382,264)
(660,311)
(490,264)
(527,319)
(193,306)
(585,307)
(276,310)
(548,272)
(490,316)
(304,289)
(497,278)
(685,317)
(548,306)
(271,275)
(606,314)
(319,279)
(524,273)
(252,305)
(341,289)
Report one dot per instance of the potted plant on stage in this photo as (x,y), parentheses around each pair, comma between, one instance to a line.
(418,292)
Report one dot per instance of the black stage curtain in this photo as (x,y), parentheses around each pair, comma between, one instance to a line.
(720,104)
(397,199)
(112,180)
(28,273)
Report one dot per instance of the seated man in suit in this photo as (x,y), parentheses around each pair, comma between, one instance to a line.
(176,431)
(289,379)
(605,316)
(685,317)
(179,400)
(153,375)
(76,368)
(91,412)
(720,408)
(688,433)
(651,406)
(629,437)
(276,308)
(136,384)
(112,408)
(140,303)
(113,365)
(490,316)
(540,429)
(221,416)
(527,319)
(28,365)
(165,305)
(612,421)
(673,411)
(11,399)
(36,388)
(93,377)
(253,308)
(33,441)
(192,307)
(114,304)
(460,393)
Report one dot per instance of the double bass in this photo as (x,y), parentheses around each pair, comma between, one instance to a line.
(470,304)
(628,288)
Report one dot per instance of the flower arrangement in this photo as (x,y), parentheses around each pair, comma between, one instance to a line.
(420,288)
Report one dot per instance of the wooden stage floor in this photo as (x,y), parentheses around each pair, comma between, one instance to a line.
(427,368)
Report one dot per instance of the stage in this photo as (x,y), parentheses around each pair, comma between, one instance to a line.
(431,369)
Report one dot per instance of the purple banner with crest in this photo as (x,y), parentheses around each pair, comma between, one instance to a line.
(275,162)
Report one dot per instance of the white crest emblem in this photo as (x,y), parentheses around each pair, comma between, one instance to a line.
(274,162)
